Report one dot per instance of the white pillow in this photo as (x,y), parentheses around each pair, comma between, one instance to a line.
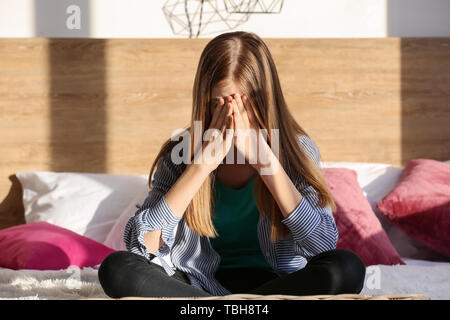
(114,238)
(86,203)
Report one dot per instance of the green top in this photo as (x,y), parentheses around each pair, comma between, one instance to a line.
(236,219)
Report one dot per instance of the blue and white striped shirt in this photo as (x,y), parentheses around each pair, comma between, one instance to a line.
(313,230)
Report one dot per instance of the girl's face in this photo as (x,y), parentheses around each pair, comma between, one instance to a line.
(222,91)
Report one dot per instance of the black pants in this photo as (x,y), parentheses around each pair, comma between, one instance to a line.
(123,273)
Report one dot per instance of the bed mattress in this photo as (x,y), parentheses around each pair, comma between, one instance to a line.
(417,277)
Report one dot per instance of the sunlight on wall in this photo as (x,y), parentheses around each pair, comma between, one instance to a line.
(316,19)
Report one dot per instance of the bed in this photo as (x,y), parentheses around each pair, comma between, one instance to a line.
(75,106)
(425,273)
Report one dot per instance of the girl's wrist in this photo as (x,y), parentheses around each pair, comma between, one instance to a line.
(201,168)
(264,154)
(267,163)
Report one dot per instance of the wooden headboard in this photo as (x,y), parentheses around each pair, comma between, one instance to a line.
(106,105)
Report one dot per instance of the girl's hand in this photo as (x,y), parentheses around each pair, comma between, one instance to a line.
(219,137)
(248,135)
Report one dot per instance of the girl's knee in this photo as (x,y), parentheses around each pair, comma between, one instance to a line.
(109,273)
(343,270)
(113,260)
(348,271)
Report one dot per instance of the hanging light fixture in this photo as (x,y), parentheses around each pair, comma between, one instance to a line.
(194,17)
(253,6)
(240,6)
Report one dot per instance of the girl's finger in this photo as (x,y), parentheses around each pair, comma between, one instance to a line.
(229,133)
(239,102)
(229,129)
(237,113)
(228,124)
(241,107)
(229,110)
(221,121)
(216,112)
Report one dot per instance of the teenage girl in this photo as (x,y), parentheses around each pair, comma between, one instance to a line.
(235,212)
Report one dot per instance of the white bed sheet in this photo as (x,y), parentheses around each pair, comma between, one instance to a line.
(418,276)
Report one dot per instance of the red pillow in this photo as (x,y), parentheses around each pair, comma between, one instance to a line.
(420,203)
(359,229)
(44,246)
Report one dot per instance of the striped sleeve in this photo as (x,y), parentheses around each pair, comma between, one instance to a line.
(155,213)
(313,227)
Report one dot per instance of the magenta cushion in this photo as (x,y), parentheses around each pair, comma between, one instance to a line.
(359,229)
(44,246)
(420,203)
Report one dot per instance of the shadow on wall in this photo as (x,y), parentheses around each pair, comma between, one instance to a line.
(418,18)
(76,72)
(425,75)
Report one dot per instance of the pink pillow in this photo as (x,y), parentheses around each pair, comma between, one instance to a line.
(420,203)
(359,229)
(44,246)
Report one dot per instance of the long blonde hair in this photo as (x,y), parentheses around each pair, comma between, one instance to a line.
(244,58)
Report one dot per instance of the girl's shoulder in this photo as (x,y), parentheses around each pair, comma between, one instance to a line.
(168,168)
(172,160)
(310,147)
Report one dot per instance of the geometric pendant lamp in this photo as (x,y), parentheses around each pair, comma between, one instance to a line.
(194,17)
(254,6)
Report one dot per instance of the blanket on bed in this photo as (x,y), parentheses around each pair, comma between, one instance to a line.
(75,283)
